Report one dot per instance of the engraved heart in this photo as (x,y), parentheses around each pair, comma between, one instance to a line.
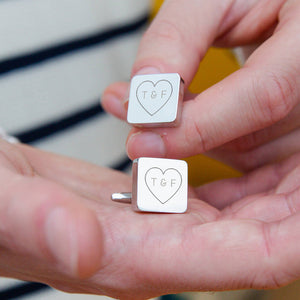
(154,96)
(163,185)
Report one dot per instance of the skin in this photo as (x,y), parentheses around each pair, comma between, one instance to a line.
(249,119)
(59,226)
(234,234)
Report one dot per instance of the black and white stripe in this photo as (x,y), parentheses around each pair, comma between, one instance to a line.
(56,58)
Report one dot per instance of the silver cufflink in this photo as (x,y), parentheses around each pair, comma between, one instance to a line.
(158,185)
(155,100)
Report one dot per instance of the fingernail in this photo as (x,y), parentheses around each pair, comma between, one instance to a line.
(60,232)
(147,70)
(125,104)
(147,144)
(126,99)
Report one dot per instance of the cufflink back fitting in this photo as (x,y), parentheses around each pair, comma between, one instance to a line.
(158,185)
(155,100)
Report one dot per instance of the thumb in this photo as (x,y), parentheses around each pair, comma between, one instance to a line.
(43,222)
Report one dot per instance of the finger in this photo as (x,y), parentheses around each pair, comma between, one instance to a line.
(114,99)
(283,251)
(265,207)
(11,158)
(40,221)
(176,26)
(186,32)
(222,255)
(227,191)
(258,19)
(202,211)
(290,182)
(86,179)
(255,97)
(268,153)
(261,137)
(266,258)
(276,150)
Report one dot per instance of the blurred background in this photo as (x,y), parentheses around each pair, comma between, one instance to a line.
(56,58)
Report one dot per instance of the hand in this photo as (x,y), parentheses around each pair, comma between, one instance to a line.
(59,226)
(249,119)
(49,231)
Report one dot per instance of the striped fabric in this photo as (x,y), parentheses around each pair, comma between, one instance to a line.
(56,58)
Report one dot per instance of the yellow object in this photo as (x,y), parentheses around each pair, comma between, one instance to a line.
(156,4)
(217,64)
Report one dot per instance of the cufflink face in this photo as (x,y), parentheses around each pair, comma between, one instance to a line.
(155,100)
(159,185)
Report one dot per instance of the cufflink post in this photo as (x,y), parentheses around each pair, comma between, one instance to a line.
(121,197)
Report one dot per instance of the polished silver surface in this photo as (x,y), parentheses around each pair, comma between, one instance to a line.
(159,185)
(121,197)
(155,100)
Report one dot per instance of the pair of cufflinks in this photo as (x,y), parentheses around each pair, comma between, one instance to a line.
(159,185)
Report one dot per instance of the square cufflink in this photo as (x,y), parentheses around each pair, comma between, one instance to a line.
(159,185)
(155,100)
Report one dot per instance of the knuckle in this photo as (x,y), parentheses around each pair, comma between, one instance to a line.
(198,136)
(166,31)
(276,98)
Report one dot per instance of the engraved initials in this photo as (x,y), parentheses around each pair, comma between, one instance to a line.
(163,185)
(154,96)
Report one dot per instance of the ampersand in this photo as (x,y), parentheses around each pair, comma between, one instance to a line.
(153,95)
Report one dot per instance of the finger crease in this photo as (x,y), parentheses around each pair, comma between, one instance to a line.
(290,205)
(203,146)
(266,239)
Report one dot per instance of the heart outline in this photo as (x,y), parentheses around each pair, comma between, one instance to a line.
(163,172)
(154,85)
